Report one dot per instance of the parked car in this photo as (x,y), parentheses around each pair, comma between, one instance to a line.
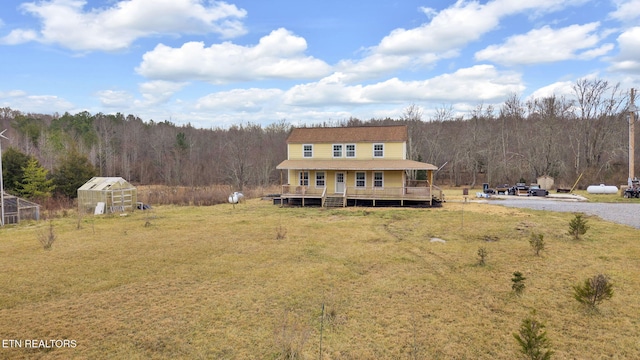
(519,189)
(536,190)
(502,189)
(632,192)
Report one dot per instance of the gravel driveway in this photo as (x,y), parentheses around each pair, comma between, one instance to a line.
(626,214)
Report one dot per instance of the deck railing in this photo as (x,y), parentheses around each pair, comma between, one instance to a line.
(407,192)
(390,192)
(303,190)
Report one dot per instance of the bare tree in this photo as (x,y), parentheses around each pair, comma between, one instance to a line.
(544,146)
(598,104)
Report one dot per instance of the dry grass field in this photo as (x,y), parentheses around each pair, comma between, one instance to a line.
(250,282)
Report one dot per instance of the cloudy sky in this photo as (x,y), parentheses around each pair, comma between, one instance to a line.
(212,63)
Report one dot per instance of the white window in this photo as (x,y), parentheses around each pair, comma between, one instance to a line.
(378,150)
(320,179)
(378,179)
(351,150)
(307,151)
(304,178)
(337,150)
(361,179)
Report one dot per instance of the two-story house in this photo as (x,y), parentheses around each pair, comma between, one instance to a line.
(345,166)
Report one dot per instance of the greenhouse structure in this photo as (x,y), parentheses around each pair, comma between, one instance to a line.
(102,195)
(16,209)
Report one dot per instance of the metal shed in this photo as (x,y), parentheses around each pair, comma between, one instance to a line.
(17,209)
(106,195)
(546,182)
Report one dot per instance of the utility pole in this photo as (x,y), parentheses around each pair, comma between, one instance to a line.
(1,181)
(631,117)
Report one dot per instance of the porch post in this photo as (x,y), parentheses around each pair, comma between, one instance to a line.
(430,187)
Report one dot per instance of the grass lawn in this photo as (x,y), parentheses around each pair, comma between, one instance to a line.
(250,282)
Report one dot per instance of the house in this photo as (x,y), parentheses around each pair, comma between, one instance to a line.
(106,195)
(347,166)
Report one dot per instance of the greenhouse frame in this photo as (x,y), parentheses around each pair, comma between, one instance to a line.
(16,209)
(103,195)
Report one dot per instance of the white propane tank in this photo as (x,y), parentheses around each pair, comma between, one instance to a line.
(235,197)
(602,189)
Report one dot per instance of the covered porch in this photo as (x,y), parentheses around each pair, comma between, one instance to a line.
(338,183)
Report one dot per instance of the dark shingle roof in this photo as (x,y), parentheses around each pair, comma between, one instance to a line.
(396,133)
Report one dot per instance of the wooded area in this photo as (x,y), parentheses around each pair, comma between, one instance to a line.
(557,136)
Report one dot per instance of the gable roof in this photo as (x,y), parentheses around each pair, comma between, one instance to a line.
(395,133)
(106,183)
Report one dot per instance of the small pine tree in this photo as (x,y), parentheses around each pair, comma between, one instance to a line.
(35,184)
(594,290)
(537,243)
(578,226)
(518,282)
(533,340)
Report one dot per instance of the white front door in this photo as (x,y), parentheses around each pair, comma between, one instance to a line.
(340,183)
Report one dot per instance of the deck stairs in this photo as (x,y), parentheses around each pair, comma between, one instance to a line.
(334,201)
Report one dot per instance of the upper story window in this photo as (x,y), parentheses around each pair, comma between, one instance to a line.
(307,151)
(337,150)
(350,150)
(378,150)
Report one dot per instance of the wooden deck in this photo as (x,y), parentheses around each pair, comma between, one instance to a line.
(354,196)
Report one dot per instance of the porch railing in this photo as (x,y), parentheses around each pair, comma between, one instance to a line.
(390,192)
(408,192)
(303,190)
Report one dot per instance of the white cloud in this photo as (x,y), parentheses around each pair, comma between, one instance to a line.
(547,45)
(331,90)
(629,57)
(68,24)
(627,10)
(443,36)
(279,55)
(561,88)
(245,100)
(460,24)
(13,94)
(373,66)
(449,29)
(115,99)
(158,92)
(45,104)
(19,36)
(477,83)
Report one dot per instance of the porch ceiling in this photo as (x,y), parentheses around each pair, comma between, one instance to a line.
(343,164)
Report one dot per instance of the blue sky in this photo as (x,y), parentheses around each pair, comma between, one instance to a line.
(215,64)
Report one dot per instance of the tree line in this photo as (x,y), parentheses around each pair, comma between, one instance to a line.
(563,137)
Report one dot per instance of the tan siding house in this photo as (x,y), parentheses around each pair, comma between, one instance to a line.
(340,166)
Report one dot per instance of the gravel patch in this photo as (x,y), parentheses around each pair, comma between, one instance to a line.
(626,214)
